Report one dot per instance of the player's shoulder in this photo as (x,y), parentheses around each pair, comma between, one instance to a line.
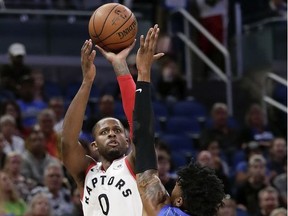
(94,166)
(169,210)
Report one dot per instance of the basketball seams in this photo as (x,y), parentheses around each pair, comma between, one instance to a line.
(103,22)
(97,36)
(120,42)
(107,16)
(108,46)
(118,28)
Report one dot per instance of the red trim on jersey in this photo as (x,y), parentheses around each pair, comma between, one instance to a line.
(87,170)
(130,168)
(128,88)
(89,167)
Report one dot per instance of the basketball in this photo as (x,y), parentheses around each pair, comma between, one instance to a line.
(113,27)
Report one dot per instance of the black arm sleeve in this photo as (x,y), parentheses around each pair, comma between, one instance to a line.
(143,135)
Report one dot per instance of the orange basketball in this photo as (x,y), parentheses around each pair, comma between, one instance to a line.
(113,27)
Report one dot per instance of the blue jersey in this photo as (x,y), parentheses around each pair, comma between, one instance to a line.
(169,210)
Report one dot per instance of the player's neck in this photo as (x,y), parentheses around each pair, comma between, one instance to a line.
(105,164)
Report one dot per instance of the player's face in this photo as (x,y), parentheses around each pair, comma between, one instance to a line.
(111,140)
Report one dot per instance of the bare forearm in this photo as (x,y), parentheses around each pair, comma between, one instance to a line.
(144,76)
(120,67)
(152,191)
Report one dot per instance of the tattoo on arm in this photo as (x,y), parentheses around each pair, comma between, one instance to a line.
(151,189)
(121,69)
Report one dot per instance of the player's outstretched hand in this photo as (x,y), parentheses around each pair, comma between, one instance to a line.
(87,61)
(145,54)
(114,58)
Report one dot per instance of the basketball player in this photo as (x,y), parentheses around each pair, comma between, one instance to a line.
(198,191)
(107,187)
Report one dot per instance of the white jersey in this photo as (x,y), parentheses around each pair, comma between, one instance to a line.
(111,192)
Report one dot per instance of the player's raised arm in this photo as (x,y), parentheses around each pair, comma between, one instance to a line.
(73,154)
(127,88)
(152,192)
(125,80)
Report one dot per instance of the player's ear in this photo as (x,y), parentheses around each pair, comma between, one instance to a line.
(127,135)
(94,145)
(179,201)
(128,140)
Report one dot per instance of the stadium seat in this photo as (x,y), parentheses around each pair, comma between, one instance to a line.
(178,142)
(111,88)
(67,38)
(188,108)
(160,110)
(182,125)
(73,88)
(119,111)
(232,123)
(32,33)
(182,158)
(52,89)
(178,159)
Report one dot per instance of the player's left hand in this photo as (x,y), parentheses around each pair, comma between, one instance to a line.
(145,54)
(87,61)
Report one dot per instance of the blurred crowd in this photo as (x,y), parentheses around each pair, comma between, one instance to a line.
(250,157)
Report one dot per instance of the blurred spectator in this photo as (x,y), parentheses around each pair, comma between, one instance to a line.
(204,158)
(12,108)
(256,128)
(35,158)
(171,85)
(11,74)
(268,201)
(165,166)
(28,105)
(280,183)
(241,168)
(279,6)
(77,205)
(279,212)
(165,44)
(221,131)
(230,209)
(39,205)
(131,62)
(215,151)
(12,142)
(106,108)
(46,122)
(57,105)
(10,201)
(213,15)
(39,94)
(277,156)
(5,94)
(59,196)
(12,168)
(247,193)
(2,153)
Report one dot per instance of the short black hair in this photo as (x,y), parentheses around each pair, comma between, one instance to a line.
(202,190)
